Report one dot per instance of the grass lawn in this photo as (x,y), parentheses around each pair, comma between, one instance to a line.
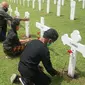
(58,51)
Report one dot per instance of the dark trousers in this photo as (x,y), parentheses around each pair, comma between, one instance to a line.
(37,77)
(3,30)
(40,79)
(2,35)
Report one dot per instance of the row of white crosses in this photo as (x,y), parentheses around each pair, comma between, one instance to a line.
(14,1)
(73,42)
(16,12)
(59,3)
(27,15)
(72,14)
(39,3)
(42,27)
(72,11)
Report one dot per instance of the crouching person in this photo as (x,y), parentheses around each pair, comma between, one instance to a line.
(12,45)
(34,52)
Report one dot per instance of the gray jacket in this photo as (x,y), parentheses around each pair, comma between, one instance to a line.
(4,17)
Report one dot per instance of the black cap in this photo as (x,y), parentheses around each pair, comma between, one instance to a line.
(15,22)
(51,34)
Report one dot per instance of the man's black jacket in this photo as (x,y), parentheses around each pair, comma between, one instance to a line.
(35,52)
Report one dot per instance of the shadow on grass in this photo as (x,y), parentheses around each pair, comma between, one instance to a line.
(33,36)
(80,73)
(62,15)
(51,49)
(57,80)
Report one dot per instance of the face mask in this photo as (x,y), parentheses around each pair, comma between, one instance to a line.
(5,9)
(48,44)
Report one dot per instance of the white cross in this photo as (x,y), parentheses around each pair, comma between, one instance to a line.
(73,42)
(62,2)
(83,4)
(10,10)
(39,2)
(28,1)
(58,7)
(14,1)
(72,12)
(27,14)
(23,2)
(17,13)
(48,6)
(41,26)
(33,4)
(55,1)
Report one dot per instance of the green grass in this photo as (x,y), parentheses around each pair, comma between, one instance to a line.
(0,0)
(58,51)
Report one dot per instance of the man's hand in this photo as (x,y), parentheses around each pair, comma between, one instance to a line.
(25,19)
(25,40)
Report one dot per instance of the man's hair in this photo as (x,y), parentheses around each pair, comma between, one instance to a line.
(51,34)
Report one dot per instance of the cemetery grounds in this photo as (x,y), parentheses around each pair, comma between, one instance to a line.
(58,52)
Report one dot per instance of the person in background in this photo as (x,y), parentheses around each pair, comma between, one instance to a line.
(12,46)
(36,51)
(4,18)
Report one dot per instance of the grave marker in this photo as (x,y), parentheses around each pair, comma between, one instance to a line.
(41,26)
(72,12)
(62,2)
(17,13)
(48,6)
(23,2)
(39,2)
(83,4)
(58,7)
(33,4)
(73,42)
(55,1)
(28,3)
(10,10)
(27,24)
